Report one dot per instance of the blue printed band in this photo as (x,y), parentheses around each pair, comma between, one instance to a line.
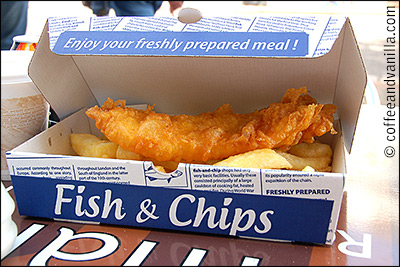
(274,217)
(241,44)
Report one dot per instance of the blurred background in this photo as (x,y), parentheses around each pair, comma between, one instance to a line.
(368,18)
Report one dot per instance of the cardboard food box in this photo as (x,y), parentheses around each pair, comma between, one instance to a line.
(248,63)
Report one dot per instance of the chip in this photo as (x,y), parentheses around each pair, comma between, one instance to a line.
(261,158)
(89,145)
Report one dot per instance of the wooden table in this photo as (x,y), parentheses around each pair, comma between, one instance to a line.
(367,233)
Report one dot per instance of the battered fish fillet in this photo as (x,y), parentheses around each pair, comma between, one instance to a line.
(214,135)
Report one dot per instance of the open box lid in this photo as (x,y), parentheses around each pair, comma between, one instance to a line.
(193,83)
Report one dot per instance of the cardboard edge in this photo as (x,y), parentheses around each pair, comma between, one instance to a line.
(349,92)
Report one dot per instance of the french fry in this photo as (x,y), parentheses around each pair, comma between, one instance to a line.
(316,155)
(260,158)
(169,166)
(89,145)
(327,169)
(308,169)
(314,150)
(305,157)
(300,163)
(126,154)
(160,169)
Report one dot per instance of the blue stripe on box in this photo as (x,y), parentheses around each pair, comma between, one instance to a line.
(242,44)
(270,217)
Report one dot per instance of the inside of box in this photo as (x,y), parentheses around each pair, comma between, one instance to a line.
(177,85)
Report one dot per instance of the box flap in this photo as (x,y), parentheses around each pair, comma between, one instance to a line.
(59,79)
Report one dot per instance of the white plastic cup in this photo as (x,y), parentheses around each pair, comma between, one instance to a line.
(24,111)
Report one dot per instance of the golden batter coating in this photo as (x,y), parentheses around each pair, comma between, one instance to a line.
(214,135)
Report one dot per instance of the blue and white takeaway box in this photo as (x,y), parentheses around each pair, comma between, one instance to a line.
(248,62)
